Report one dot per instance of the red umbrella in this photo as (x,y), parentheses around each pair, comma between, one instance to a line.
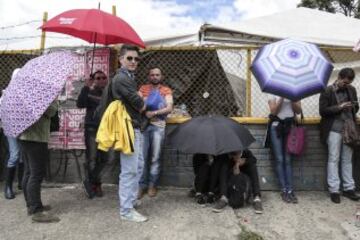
(94,26)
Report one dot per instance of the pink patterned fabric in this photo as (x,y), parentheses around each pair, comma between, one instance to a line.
(33,89)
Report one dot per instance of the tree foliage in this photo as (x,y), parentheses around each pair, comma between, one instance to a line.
(350,8)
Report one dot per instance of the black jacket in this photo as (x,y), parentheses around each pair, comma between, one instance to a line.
(89,99)
(328,108)
(125,89)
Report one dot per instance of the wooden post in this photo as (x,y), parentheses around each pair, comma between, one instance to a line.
(248,84)
(43,34)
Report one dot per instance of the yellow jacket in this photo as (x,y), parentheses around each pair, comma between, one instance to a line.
(115,129)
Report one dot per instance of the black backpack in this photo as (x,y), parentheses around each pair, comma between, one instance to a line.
(239,190)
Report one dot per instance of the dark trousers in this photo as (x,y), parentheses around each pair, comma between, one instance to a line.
(95,159)
(35,156)
(201,170)
(222,169)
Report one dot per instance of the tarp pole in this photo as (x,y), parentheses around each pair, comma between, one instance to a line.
(43,34)
(248,84)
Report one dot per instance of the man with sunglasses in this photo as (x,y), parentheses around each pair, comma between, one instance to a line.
(124,88)
(337,104)
(89,98)
(159,102)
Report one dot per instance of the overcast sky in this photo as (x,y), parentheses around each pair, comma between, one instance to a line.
(150,18)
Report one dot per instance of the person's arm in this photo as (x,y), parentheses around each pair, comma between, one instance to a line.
(82,101)
(356,102)
(325,109)
(169,107)
(296,106)
(275,105)
(124,89)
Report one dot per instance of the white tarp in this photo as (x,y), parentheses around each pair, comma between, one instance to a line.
(322,28)
(305,24)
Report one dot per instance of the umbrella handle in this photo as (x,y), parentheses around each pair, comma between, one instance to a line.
(92,59)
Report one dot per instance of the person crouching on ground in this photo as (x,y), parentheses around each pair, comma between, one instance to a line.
(234,165)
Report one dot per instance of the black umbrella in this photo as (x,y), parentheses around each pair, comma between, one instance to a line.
(211,135)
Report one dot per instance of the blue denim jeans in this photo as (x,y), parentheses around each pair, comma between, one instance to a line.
(14,152)
(283,160)
(338,151)
(131,169)
(153,139)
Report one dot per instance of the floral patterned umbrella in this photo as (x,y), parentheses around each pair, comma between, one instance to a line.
(292,69)
(33,89)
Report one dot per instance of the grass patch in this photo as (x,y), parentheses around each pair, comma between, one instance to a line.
(248,235)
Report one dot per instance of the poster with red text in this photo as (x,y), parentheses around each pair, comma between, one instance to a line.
(71,132)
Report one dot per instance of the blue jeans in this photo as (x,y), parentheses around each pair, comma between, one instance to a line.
(283,160)
(153,139)
(131,169)
(338,151)
(14,152)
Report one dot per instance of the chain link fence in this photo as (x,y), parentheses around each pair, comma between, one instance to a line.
(205,80)
(10,60)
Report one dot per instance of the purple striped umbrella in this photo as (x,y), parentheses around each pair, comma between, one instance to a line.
(291,69)
(33,89)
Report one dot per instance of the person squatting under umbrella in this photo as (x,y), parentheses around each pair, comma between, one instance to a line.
(227,179)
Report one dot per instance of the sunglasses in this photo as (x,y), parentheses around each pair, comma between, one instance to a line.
(130,58)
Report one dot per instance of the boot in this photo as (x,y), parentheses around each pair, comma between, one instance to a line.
(20,174)
(9,194)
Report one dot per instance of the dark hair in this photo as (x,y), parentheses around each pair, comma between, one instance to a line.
(92,76)
(155,67)
(124,48)
(347,73)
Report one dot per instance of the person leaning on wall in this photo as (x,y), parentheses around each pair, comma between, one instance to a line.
(338,105)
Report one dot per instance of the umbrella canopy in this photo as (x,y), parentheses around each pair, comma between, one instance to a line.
(291,69)
(211,135)
(33,89)
(94,26)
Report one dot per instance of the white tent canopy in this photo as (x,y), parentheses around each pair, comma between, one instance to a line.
(322,28)
(305,24)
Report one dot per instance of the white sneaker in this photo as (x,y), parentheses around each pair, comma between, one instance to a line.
(134,216)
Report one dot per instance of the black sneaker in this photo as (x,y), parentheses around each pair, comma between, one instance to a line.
(335,197)
(258,205)
(292,197)
(191,193)
(285,197)
(44,208)
(210,198)
(88,188)
(42,217)
(219,205)
(351,195)
(200,199)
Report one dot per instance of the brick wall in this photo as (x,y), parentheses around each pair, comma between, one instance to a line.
(309,170)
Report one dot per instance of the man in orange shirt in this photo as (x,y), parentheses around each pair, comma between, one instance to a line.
(159,102)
